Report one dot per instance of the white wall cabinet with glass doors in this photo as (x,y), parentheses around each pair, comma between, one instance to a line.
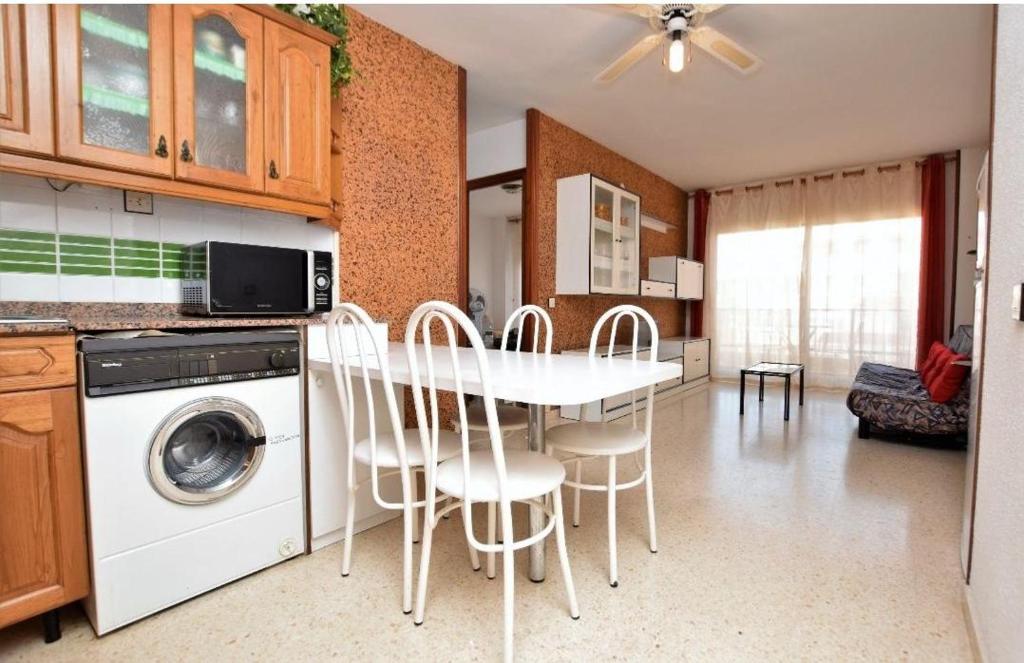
(598,238)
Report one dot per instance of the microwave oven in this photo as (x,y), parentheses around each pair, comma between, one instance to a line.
(224,278)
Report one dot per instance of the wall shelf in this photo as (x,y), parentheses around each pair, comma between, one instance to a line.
(647,221)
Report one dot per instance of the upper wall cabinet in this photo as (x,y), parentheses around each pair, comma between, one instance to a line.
(218,100)
(598,238)
(26,120)
(114,86)
(298,114)
(226,103)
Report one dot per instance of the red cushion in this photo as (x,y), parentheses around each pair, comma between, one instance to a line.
(941,359)
(933,355)
(947,380)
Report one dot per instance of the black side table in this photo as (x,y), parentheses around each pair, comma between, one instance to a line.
(776,370)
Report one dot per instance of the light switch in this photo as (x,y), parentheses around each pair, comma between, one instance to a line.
(137,202)
(1016,307)
(551,302)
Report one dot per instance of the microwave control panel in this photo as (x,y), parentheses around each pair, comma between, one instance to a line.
(323,278)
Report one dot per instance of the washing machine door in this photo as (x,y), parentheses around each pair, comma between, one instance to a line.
(205,450)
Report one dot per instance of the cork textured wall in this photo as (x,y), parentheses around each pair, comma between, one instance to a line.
(562,152)
(399,187)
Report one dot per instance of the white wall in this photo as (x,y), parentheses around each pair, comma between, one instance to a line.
(967,237)
(496,150)
(996,592)
(495,251)
(45,265)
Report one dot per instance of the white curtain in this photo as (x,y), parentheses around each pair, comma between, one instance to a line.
(822,271)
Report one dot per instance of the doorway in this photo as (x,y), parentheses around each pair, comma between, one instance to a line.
(495,247)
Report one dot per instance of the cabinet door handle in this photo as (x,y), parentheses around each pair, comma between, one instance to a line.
(161,147)
(186,153)
(273,174)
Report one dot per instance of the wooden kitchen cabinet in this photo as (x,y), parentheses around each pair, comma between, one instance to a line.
(113,68)
(218,95)
(26,91)
(220,103)
(297,114)
(43,560)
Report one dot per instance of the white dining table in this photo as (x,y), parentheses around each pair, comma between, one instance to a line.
(536,379)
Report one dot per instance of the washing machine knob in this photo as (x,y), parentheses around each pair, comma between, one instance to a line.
(277,360)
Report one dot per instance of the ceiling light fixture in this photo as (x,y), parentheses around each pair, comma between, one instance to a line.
(677,53)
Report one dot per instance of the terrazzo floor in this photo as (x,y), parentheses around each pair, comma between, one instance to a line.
(777,542)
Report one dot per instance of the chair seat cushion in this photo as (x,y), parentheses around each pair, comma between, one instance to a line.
(530,474)
(596,439)
(510,417)
(448,444)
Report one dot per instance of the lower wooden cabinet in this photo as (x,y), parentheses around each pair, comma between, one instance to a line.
(43,557)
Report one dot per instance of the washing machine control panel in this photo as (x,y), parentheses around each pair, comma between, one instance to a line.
(121,367)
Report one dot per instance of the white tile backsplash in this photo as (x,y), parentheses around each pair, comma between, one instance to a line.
(24,207)
(75,288)
(29,287)
(29,203)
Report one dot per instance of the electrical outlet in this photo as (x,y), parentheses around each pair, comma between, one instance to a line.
(551,302)
(138,202)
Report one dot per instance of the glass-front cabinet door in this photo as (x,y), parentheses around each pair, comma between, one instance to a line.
(114,85)
(627,233)
(602,237)
(218,83)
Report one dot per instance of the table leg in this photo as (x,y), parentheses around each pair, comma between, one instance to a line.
(743,388)
(801,387)
(785,413)
(537,516)
(760,389)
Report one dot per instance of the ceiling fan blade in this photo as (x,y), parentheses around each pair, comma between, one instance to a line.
(644,11)
(630,58)
(726,50)
(707,9)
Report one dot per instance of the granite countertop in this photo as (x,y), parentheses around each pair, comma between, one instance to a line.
(88,317)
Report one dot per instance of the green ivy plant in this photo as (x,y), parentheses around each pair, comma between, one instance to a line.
(329,17)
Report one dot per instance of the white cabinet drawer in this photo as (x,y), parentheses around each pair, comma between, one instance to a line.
(695,360)
(657,289)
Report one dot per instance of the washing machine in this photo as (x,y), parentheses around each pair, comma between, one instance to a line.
(194,465)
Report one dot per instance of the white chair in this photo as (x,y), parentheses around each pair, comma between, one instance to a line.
(492,475)
(510,417)
(352,346)
(586,441)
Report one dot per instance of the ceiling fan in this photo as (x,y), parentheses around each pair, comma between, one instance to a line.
(681,25)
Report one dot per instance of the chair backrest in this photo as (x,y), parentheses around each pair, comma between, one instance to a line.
(353,347)
(634,314)
(519,319)
(448,367)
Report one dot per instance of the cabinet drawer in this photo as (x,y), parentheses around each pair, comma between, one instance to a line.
(657,289)
(695,360)
(36,362)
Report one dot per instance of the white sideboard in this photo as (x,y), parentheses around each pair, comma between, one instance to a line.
(692,352)
(687,275)
(597,242)
(328,456)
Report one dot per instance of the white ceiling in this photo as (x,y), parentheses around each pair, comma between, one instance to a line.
(841,85)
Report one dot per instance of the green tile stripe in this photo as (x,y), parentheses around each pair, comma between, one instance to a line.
(84,270)
(33,252)
(28,267)
(89,240)
(84,255)
(172,260)
(27,252)
(30,235)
